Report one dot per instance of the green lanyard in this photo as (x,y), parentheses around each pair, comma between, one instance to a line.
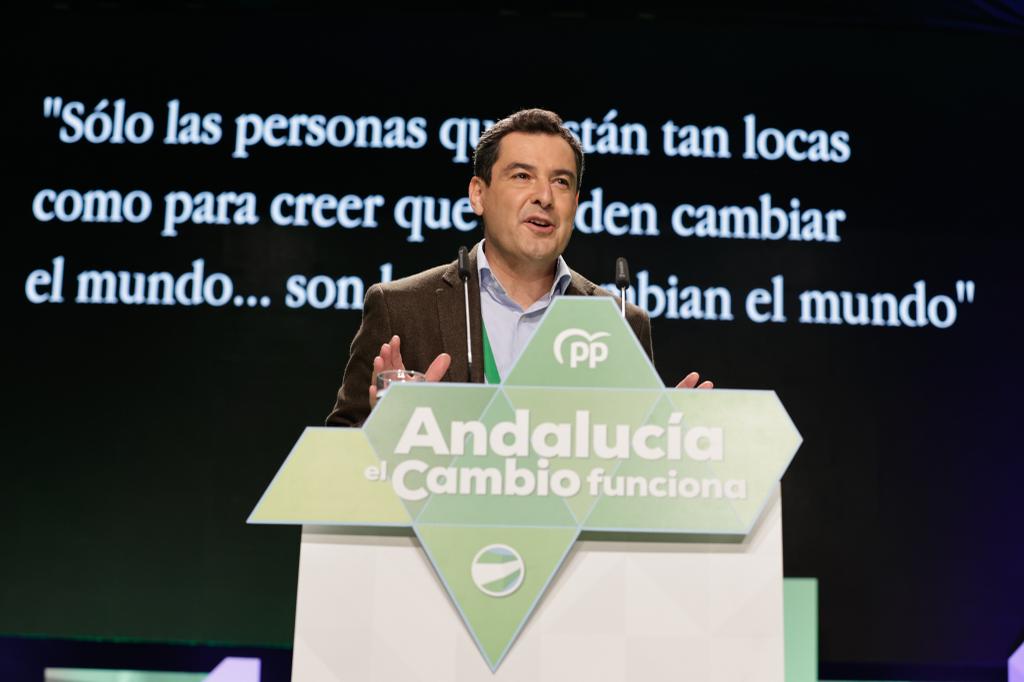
(490,367)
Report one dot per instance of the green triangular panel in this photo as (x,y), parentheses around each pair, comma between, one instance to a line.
(507,510)
(762,439)
(323,482)
(686,505)
(584,342)
(391,415)
(610,407)
(721,494)
(459,557)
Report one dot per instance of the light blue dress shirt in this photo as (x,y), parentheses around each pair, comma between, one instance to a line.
(509,327)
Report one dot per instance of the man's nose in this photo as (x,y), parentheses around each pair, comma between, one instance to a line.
(544,196)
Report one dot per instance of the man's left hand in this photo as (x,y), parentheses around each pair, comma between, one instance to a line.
(690,381)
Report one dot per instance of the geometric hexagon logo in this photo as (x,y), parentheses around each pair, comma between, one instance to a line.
(498,481)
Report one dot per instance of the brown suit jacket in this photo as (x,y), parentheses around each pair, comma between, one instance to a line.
(427,312)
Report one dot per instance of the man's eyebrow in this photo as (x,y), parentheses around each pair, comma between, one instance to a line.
(520,164)
(533,169)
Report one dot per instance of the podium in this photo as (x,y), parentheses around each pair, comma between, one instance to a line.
(577,522)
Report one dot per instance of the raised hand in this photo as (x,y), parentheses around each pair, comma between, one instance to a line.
(390,357)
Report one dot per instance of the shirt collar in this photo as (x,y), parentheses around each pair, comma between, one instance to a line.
(487,279)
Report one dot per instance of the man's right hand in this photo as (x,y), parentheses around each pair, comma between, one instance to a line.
(390,357)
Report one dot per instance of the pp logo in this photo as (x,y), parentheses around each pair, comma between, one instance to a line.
(498,570)
(586,349)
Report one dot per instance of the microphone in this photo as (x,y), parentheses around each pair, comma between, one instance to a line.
(464,276)
(622,281)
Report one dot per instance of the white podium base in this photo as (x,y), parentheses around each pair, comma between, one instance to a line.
(371,609)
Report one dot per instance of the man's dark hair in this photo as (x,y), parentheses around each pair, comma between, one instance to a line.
(524,121)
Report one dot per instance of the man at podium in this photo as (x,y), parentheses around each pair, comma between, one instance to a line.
(527,172)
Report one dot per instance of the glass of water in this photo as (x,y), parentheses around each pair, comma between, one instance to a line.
(392,376)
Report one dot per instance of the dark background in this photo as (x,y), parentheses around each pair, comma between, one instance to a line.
(140,437)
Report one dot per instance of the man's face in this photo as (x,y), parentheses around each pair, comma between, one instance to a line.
(529,206)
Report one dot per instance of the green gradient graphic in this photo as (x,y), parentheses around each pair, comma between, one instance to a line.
(98,675)
(800,623)
(231,669)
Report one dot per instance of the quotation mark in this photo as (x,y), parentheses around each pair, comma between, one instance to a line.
(52,107)
(965,291)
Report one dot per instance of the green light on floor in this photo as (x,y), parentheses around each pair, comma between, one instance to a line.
(97,675)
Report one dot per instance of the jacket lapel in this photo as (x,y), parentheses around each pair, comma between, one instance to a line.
(578,286)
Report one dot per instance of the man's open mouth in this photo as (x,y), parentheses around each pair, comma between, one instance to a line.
(539,222)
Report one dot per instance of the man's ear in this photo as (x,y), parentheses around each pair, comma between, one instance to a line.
(477,187)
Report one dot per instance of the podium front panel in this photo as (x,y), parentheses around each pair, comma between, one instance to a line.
(372,609)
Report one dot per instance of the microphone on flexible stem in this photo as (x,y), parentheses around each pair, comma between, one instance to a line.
(622,281)
(464,276)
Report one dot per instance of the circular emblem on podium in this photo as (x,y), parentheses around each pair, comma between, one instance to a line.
(498,570)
